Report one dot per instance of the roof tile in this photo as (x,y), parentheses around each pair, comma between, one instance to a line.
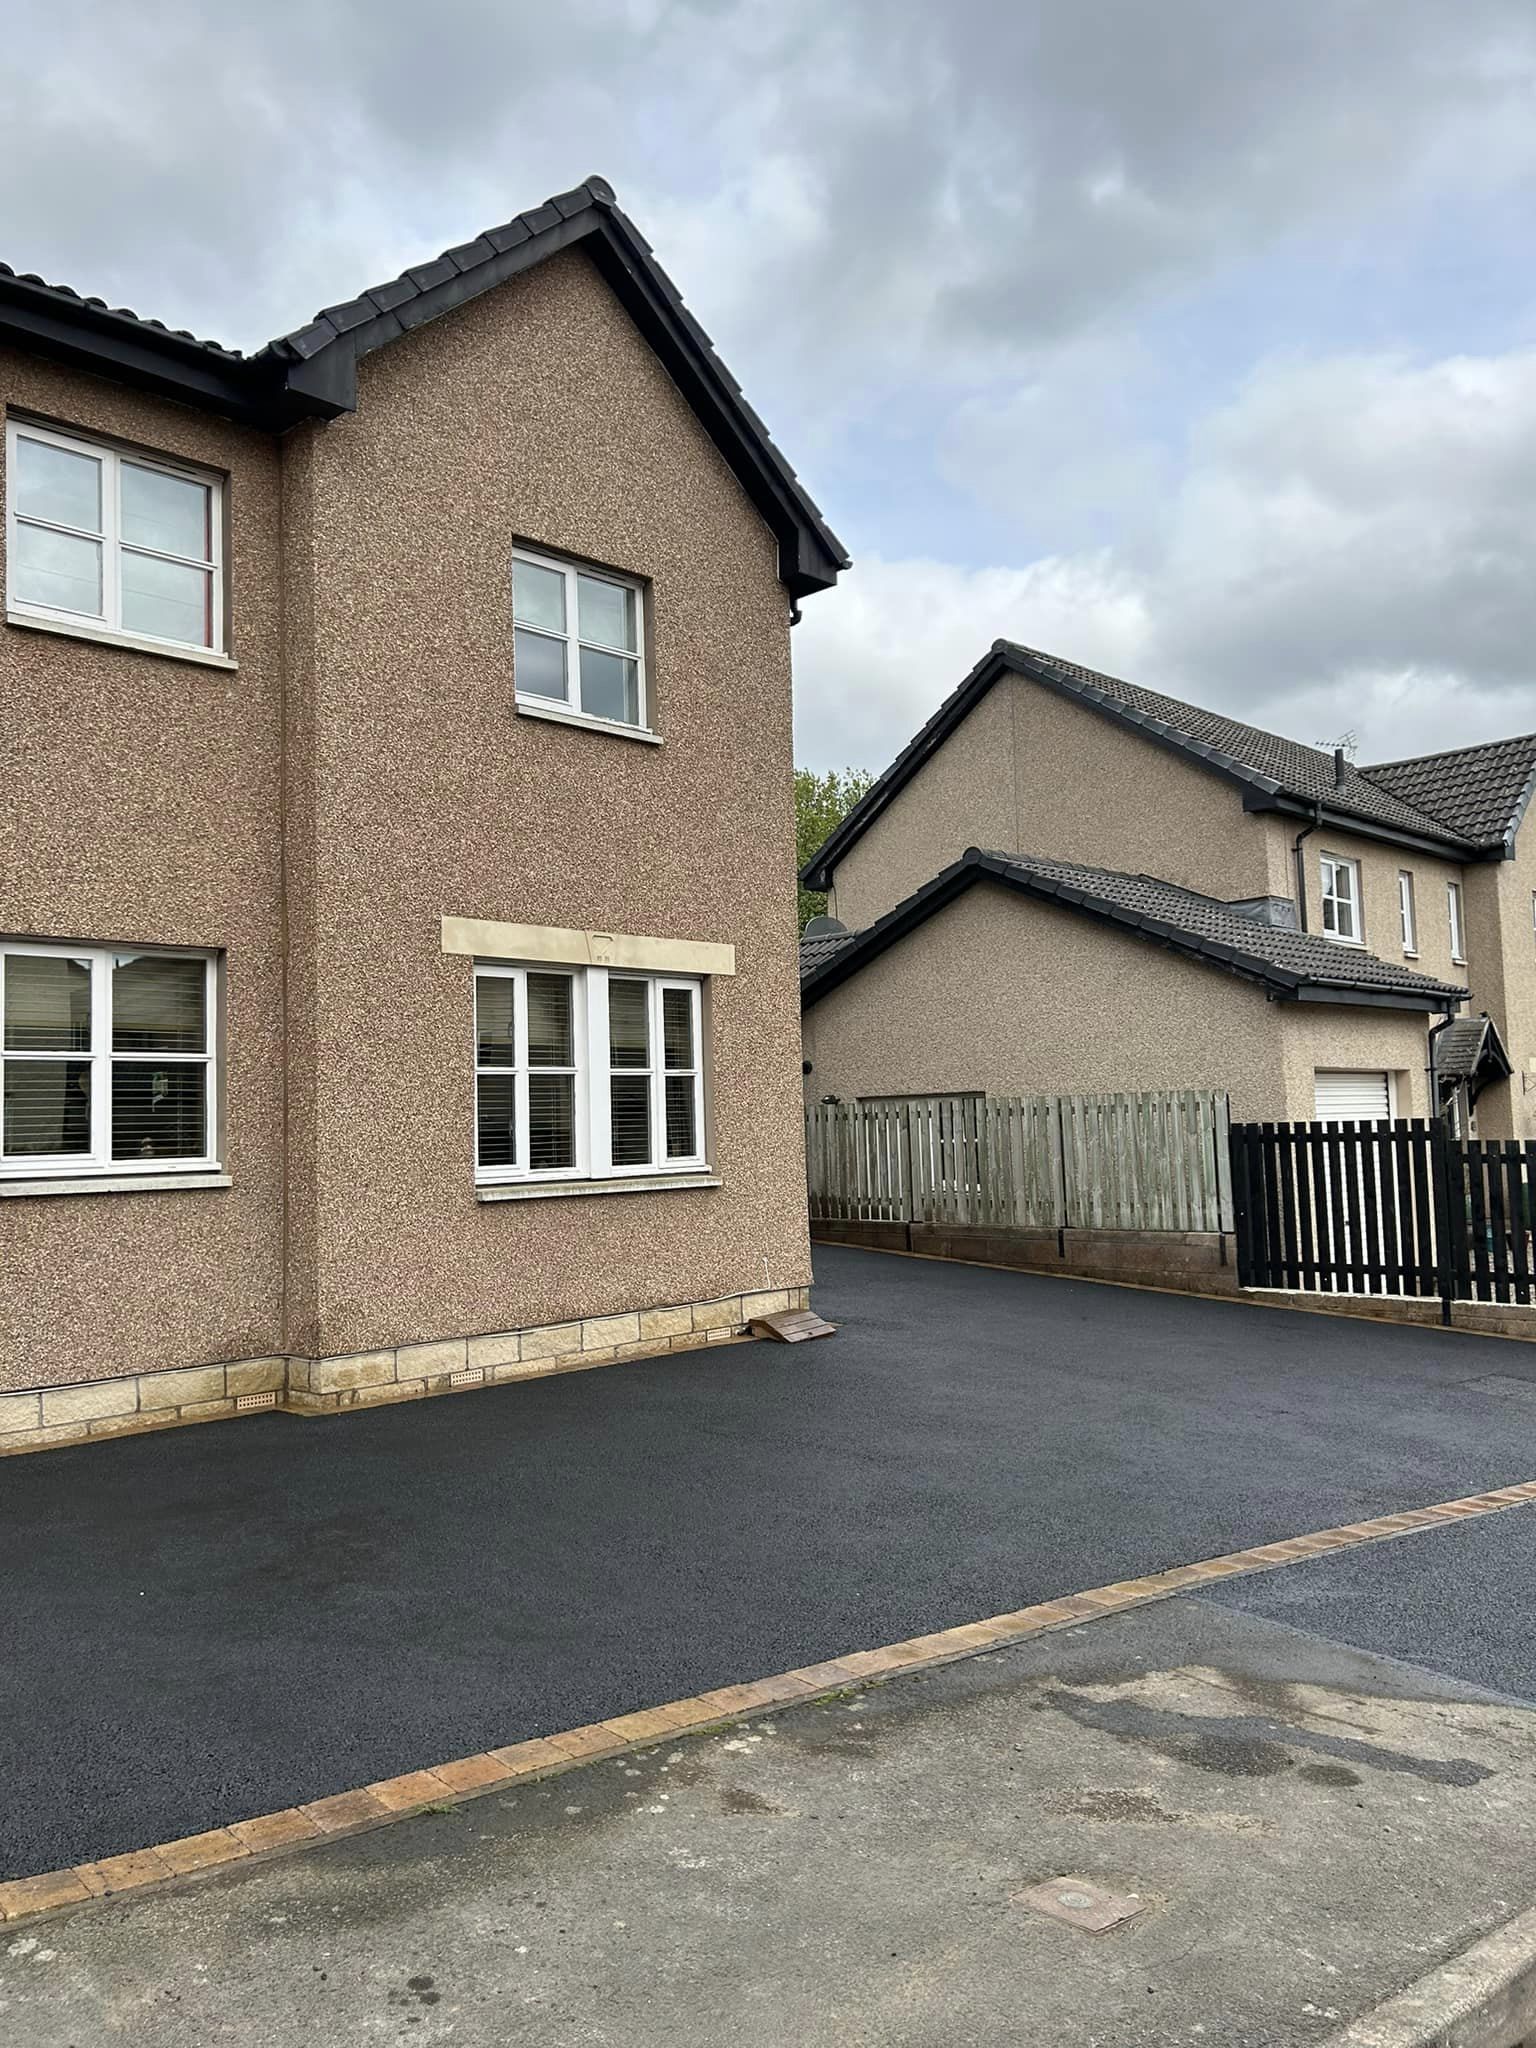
(1307,957)
(1479,791)
(1282,956)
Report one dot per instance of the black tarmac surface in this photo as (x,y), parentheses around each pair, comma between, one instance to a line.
(1462,1605)
(215,1622)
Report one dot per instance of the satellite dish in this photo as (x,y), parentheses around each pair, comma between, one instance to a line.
(825,928)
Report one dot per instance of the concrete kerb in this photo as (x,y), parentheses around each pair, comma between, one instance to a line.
(370,1806)
(1484,1998)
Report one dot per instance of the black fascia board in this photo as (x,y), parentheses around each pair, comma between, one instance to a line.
(1282,983)
(41,321)
(1464,851)
(312,373)
(817,872)
(1506,850)
(973,867)
(1260,792)
(810,555)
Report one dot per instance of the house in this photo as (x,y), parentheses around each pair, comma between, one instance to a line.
(397,971)
(1067,883)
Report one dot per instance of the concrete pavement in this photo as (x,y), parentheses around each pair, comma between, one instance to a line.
(1308,1828)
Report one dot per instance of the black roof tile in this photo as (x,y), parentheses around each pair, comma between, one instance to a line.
(1481,791)
(1289,963)
(1465,803)
(1221,930)
(815,952)
(275,386)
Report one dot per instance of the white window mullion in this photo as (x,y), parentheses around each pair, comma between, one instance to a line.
(101,1058)
(658,1077)
(594,1088)
(572,641)
(520,1149)
(697,1005)
(111,526)
(213,1136)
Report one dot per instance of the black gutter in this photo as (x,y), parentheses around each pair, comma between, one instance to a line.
(1376,998)
(1463,851)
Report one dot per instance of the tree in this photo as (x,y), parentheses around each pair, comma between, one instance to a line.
(821,804)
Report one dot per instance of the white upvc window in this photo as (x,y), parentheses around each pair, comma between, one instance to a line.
(128,544)
(1458,927)
(578,640)
(107,1061)
(586,1074)
(1405,913)
(1341,899)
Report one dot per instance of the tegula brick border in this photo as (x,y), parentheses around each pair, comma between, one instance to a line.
(39,1417)
(496,1770)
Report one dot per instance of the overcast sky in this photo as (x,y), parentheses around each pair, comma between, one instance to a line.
(1191,340)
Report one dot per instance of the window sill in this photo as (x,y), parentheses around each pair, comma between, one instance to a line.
(103,636)
(558,714)
(543,1190)
(1337,939)
(113,1184)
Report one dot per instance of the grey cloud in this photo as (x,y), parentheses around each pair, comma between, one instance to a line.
(977,174)
(1349,549)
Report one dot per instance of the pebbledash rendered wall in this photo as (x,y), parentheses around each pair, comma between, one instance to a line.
(373,709)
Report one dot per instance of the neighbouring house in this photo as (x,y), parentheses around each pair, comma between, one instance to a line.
(396,931)
(1066,883)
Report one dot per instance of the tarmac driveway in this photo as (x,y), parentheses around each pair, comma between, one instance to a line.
(213,1623)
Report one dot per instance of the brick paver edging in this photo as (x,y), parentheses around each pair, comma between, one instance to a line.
(371,1806)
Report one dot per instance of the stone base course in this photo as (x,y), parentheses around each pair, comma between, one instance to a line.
(1185,1261)
(45,1416)
(1179,1262)
(370,1806)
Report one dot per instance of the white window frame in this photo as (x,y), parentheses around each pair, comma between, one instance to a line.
(1407,914)
(108,620)
(1330,867)
(593,1073)
(1455,911)
(99,1163)
(569,707)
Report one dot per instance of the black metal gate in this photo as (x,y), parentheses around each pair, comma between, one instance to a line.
(1384,1208)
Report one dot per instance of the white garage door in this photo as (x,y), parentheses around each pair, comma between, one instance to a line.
(1342,1097)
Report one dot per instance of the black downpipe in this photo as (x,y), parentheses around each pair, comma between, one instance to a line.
(1301,872)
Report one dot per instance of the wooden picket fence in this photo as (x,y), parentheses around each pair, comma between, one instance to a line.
(1032,1162)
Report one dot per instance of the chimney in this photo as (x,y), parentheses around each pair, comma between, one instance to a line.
(1338,766)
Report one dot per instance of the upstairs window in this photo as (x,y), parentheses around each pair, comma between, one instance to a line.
(106,1061)
(577,641)
(1458,929)
(123,543)
(1341,899)
(586,1074)
(1405,913)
